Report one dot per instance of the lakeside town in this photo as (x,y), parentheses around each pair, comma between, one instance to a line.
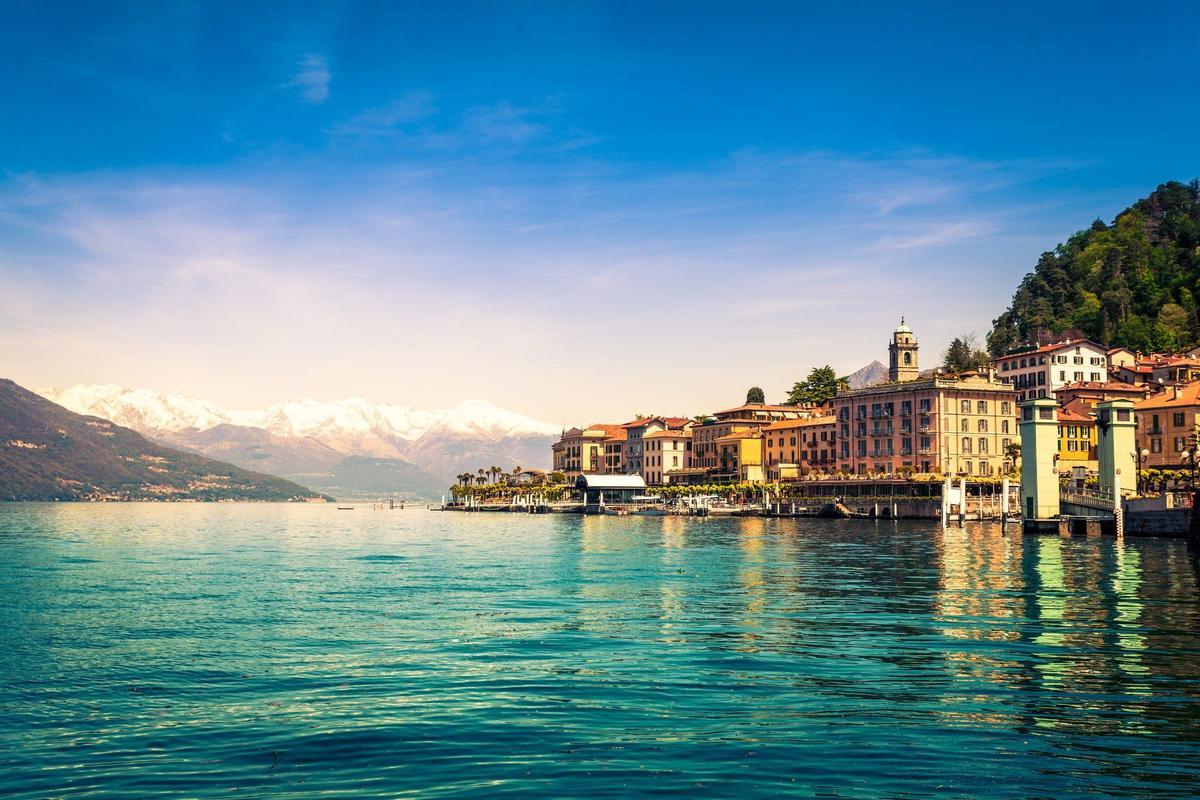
(913,429)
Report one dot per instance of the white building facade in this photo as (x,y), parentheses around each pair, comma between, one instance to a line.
(1040,372)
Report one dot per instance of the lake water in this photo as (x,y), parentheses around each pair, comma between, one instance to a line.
(283,651)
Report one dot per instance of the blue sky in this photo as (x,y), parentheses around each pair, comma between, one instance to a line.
(576,210)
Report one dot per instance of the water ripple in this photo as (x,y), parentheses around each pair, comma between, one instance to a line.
(285,651)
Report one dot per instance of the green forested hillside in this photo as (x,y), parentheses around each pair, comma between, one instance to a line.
(1133,283)
(50,453)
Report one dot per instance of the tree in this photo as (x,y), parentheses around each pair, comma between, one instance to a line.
(821,386)
(964,354)
(1130,283)
(756,395)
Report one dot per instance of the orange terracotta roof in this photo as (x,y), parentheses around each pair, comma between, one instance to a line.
(669,434)
(789,424)
(764,407)
(670,422)
(1102,386)
(610,431)
(1076,412)
(1049,348)
(1181,397)
(750,434)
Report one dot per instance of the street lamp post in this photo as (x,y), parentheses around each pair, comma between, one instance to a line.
(1188,457)
(1143,457)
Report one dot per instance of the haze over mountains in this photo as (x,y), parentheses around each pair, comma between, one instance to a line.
(346,447)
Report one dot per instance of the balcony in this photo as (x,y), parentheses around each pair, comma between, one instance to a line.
(881,433)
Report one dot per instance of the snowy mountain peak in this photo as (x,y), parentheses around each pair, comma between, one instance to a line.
(141,409)
(353,425)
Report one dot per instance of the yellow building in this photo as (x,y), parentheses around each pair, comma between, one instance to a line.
(583,450)
(749,417)
(1076,437)
(740,456)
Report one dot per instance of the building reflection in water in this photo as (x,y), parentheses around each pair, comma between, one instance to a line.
(1103,629)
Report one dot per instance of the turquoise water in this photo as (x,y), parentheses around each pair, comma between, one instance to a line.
(286,651)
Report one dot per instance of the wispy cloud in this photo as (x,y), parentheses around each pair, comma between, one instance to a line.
(502,123)
(390,119)
(937,235)
(311,78)
(378,261)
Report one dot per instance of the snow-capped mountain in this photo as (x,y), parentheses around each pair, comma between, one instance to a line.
(304,438)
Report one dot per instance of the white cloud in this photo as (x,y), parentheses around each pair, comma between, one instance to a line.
(312,78)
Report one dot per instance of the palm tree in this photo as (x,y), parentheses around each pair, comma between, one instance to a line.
(495,473)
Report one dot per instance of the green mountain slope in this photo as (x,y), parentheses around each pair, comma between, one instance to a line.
(50,453)
(1133,283)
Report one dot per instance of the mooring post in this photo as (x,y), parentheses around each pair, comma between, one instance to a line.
(946,502)
(1118,506)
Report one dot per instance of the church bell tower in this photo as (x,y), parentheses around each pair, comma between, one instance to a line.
(903,351)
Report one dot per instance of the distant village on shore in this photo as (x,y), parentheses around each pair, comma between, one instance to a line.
(913,425)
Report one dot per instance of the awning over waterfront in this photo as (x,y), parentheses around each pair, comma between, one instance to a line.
(610,482)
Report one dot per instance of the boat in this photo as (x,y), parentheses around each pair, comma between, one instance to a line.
(648,506)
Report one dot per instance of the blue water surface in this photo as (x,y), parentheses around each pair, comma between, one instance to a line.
(163,650)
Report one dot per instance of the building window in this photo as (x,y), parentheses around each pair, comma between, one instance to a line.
(982,426)
(981,407)
(1004,426)
(1006,407)
(966,444)
(1177,419)
(965,425)
(965,406)
(1156,445)
(983,446)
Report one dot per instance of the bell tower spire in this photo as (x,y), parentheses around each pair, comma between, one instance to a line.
(903,364)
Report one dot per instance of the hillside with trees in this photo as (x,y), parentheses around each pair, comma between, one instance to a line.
(1132,283)
(50,453)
